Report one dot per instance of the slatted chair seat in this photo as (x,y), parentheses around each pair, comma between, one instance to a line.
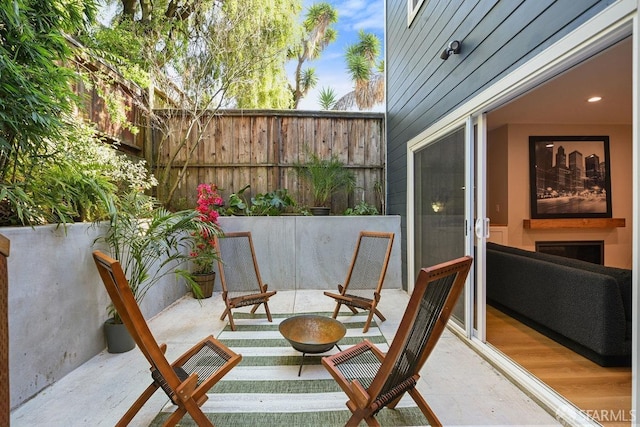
(363,286)
(240,276)
(373,380)
(185,381)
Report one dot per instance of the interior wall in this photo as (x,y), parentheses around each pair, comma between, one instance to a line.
(498,176)
(618,243)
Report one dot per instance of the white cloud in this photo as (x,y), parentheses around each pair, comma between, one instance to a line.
(331,56)
(360,14)
(372,22)
(350,7)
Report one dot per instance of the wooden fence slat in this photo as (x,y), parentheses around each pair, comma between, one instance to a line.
(242,143)
(274,142)
(226,136)
(358,143)
(260,137)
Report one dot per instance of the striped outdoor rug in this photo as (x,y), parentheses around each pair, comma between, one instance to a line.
(265,390)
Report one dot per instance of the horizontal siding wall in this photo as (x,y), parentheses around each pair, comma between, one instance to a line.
(260,148)
(496,36)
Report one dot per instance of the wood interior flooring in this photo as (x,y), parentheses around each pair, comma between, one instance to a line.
(603,393)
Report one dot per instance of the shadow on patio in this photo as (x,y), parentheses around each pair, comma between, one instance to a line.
(460,386)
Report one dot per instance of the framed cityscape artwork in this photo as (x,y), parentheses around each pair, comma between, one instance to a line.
(570,177)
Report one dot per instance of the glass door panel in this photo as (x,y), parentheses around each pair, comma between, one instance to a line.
(439,185)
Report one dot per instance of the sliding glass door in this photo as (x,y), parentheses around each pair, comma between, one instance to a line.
(440,202)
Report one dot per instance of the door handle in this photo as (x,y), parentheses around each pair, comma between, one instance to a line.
(482,228)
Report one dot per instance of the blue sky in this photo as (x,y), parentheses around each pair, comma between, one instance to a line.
(331,69)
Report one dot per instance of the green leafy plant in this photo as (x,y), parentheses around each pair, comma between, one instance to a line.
(272,203)
(238,204)
(80,173)
(362,208)
(72,194)
(151,242)
(71,181)
(37,97)
(262,204)
(325,177)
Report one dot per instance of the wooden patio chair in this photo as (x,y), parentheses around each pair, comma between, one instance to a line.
(5,412)
(239,275)
(187,380)
(362,287)
(373,380)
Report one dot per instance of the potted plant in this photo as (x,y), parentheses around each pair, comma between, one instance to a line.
(325,177)
(204,254)
(149,242)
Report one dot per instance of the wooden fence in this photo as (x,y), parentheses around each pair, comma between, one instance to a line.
(260,148)
(116,106)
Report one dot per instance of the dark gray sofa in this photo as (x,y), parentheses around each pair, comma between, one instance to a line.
(584,306)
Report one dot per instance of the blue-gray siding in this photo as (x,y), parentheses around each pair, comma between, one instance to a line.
(497,37)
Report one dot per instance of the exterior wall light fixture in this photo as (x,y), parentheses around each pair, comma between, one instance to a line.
(453,48)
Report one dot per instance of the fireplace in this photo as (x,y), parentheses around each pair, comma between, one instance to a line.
(585,250)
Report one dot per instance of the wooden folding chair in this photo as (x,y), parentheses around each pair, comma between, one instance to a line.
(5,411)
(373,380)
(365,278)
(187,380)
(239,275)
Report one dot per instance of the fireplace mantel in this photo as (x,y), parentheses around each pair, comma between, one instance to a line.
(573,223)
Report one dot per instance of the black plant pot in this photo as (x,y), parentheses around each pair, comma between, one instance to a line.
(320,210)
(119,340)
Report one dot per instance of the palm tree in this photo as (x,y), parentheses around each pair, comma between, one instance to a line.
(327,98)
(366,74)
(319,34)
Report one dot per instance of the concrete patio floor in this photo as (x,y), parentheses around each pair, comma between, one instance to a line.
(461,387)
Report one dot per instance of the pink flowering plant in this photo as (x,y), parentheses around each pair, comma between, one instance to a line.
(203,253)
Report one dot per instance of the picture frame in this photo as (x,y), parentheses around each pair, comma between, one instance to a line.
(570,177)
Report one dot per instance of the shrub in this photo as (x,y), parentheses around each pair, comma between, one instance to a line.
(37,97)
(362,208)
(325,177)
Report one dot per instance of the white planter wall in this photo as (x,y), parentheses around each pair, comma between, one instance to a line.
(57,303)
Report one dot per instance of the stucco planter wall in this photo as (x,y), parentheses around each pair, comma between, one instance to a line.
(57,303)
(306,252)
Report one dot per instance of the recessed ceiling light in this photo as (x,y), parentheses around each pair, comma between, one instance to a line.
(594,99)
